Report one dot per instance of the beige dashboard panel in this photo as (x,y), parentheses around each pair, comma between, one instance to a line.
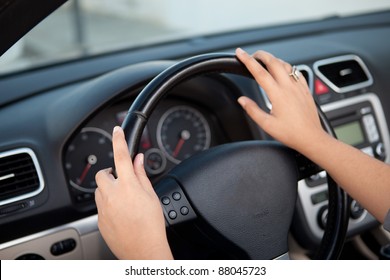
(42,245)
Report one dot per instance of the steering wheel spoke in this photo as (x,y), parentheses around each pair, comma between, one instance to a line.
(306,167)
(176,207)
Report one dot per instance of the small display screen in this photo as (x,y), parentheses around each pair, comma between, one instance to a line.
(319,197)
(350,133)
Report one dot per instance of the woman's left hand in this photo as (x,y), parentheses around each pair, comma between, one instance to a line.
(130,216)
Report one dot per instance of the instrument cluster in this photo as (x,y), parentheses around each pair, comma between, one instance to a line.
(175,132)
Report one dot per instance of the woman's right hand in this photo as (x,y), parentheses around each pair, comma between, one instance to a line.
(293,119)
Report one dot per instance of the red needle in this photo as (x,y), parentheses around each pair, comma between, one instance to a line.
(84,174)
(178,147)
(184,136)
(92,160)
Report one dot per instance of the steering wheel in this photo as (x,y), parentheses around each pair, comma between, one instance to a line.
(244,191)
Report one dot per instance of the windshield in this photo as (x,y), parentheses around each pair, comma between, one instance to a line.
(83,27)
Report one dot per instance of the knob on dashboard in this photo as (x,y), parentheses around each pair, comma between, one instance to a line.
(356,210)
(380,151)
(322,216)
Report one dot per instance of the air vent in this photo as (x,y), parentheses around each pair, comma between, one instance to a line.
(343,73)
(20,175)
(305,71)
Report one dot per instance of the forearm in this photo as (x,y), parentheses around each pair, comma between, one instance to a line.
(366,179)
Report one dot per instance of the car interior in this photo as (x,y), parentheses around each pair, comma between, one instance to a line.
(177,102)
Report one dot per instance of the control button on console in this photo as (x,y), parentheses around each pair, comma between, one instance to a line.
(63,247)
(176,196)
(322,217)
(356,210)
(365,110)
(372,131)
(172,214)
(177,209)
(368,150)
(380,151)
(165,200)
(184,210)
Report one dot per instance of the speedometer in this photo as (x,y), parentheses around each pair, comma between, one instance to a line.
(90,151)
(181,132)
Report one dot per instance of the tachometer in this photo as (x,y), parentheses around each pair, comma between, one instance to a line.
(181,132)
(89,152)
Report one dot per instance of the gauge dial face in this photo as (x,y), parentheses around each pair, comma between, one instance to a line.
(155,161)
(89,152)
(181,132)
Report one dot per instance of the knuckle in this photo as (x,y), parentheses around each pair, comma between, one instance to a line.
(98,176)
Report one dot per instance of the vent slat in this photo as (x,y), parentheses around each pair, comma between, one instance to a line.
(19,183)
(14,161)
(18,175)
(16,169)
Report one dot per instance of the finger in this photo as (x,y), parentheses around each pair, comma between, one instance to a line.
(258,115)
(139,170)
(274,65)
(98,198)
(122,159)
(286,65)
(261,75)
(104,178)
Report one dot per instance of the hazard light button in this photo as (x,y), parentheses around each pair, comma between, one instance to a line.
(320,87)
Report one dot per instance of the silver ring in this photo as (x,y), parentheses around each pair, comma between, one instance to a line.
(295,73)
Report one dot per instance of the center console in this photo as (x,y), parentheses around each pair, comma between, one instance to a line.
(342,86)
(358,121)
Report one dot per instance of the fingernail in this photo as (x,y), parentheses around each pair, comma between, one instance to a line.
(116,129)
(242,101)
(141,159)
(240,51)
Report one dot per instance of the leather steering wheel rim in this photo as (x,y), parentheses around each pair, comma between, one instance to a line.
(142,108)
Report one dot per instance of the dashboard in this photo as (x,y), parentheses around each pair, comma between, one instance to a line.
(61,129)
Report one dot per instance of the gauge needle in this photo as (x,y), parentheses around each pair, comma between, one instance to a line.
(92,159)
(84,174)
(184,136)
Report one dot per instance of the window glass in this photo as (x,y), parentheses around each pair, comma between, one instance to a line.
(83,27)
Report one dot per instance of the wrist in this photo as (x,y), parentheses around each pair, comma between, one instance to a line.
(312,146)
(160,251)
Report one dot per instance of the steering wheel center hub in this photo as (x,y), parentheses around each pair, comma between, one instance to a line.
(246,191)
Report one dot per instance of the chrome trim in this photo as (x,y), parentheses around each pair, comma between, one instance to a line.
(305,192)
(83,227)
(37,168)
(342,58)
(310,83)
